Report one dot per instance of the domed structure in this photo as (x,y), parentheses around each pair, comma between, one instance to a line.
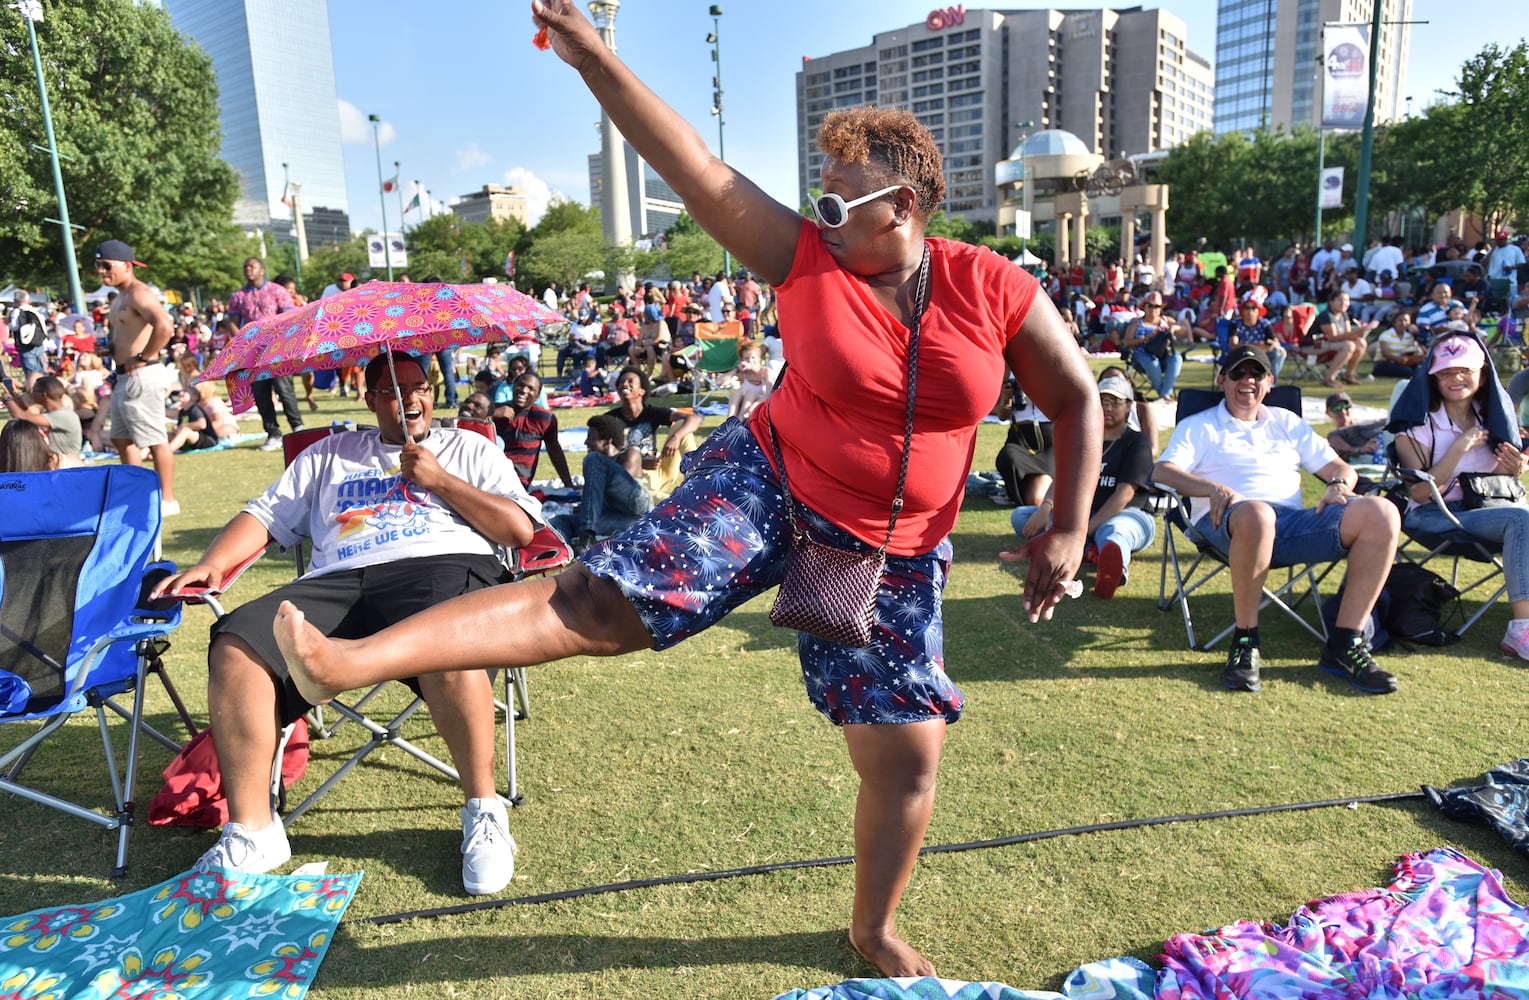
(1049,142)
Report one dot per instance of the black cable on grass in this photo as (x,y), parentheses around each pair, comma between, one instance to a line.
(781,866)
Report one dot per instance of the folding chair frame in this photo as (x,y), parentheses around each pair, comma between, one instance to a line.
(1301,583)
(1458,544)
(547,552)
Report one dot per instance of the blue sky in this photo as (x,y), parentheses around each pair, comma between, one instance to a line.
(466,100)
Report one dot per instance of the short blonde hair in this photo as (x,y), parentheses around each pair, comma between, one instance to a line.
(892,140)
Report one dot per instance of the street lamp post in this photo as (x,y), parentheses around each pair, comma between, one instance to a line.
(615,208)
(31,11)
(387,253)
(714,39)
(290,196)
(396,173)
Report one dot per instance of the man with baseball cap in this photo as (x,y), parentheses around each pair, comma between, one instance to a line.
(1241,464)
(345,283)
(1354,441)
(1504,263)
(1118,524)
(140,329)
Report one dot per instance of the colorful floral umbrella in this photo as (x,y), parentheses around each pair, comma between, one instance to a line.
(353,327)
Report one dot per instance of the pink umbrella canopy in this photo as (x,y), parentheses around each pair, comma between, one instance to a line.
(353,327)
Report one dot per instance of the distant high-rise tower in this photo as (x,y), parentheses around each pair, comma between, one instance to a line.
(276,93)
(1268,53)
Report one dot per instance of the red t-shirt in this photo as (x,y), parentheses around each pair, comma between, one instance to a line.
(840,408)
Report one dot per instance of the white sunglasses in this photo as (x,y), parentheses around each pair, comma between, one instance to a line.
(833,211)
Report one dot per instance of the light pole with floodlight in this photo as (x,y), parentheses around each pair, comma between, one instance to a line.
(714,39)
(387,253)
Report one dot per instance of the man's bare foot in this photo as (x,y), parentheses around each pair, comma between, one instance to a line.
(304,648)
(891,955)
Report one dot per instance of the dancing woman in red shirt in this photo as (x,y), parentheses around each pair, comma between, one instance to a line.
(846,285)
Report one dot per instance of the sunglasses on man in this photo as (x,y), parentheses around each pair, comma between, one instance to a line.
(1245,371)
(833,211)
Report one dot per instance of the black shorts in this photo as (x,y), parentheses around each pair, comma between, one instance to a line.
(353,603)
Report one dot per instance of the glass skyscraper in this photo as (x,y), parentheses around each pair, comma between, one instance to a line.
(275,72)
(1268,53)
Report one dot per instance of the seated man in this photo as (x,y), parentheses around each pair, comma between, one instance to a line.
(193,425)
(643,423)
(1246,459)
(400,518)
(612,498)
(1118,524)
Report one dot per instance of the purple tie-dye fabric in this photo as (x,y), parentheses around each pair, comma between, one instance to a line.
(1445,928)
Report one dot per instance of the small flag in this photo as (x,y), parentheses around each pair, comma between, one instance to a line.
(390,185)
(286,196)
(412,205)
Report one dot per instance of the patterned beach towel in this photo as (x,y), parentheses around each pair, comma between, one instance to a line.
(1112,979)
(197,936)
(1445,928)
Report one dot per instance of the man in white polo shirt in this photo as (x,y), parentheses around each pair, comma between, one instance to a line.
(1242,462)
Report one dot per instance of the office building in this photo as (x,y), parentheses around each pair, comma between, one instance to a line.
(1123,81)
(652,202)
(493,202)
(277,105)
(1269,56)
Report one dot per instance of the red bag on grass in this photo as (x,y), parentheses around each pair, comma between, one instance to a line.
(193,790)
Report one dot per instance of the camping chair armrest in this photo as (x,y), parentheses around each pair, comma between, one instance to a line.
(1414,476)
(209,595)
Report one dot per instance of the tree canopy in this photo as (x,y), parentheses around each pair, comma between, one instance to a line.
(135,114)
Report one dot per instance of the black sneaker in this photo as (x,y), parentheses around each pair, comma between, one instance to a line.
(1354,663)
(1241,673)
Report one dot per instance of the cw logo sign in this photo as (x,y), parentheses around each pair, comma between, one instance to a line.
(950,17)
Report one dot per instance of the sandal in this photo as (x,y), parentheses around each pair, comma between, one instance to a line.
(1331,384)
(1350,379)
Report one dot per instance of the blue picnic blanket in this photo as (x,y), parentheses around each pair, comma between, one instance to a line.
(1112,979)
(197,936)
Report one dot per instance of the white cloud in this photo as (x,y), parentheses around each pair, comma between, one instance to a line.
(470,156)
(355,129)
(538,193)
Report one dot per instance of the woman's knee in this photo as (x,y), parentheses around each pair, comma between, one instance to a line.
(596,610)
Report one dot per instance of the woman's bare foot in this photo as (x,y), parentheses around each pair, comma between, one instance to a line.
(307,652)
(891,955)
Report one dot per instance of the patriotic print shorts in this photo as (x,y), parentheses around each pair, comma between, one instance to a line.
(720,540)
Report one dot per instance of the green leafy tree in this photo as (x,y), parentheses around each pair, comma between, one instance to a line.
(1490,131)
(688,248)
(135,111)
(564,246)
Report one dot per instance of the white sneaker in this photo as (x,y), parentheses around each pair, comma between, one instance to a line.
(1516,641)
(253,852)
(272,443)
(488,850)
(169,508)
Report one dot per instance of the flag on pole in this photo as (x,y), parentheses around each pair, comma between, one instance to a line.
(412,205)
(390,185)
(286,196)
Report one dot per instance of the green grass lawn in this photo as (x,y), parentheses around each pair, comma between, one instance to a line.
(708,757)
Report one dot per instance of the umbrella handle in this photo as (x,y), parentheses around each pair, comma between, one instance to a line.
(398,394)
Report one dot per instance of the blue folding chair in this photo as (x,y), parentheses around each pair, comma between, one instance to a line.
(77,554)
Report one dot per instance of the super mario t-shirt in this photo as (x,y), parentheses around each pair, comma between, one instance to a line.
(347,494)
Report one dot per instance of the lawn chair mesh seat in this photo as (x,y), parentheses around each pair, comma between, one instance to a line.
(77,551)
(713,355)
(546,552)
(1301,582)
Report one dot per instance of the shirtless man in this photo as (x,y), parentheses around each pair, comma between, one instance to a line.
(140,329)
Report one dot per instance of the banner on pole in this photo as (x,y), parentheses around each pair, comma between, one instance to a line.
(1345,75)
(395,251)
(1332,188)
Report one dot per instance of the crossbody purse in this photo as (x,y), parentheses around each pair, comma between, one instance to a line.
(830,592)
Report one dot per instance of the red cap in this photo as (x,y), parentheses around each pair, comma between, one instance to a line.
(347,276)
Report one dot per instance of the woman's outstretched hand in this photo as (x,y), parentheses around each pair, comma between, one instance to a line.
(568,32)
